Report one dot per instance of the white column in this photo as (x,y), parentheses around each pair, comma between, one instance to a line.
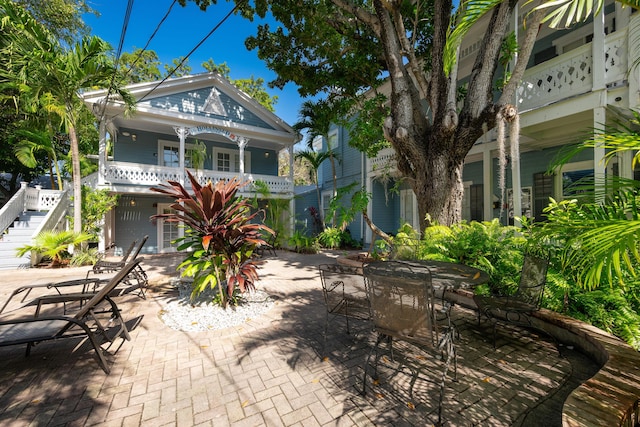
(182,133)
(369,234)
(599,117)
(597,47)
(292,202)
(242,143)
(487,190)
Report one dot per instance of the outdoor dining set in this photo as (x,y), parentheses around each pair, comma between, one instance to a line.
(408,301)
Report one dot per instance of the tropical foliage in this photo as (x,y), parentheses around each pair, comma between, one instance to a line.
(54,245)
(45,74)
(219,235)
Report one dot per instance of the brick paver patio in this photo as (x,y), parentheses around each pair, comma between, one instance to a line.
(268,371)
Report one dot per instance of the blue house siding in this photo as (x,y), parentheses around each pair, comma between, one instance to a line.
(133,222)
(200,103)
(385,208)
(303,219)
(144,150)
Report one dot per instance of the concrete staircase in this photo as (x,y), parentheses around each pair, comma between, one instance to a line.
(19,234)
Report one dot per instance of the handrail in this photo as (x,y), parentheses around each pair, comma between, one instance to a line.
(13,208)
(52,220)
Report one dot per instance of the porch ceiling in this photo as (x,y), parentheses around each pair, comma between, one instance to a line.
(265,139)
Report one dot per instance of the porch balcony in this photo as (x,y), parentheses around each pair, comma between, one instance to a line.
(124,177)
(568,76)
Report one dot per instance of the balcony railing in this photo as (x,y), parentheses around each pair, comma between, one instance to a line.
(562,77)
(123,173)
(571,74)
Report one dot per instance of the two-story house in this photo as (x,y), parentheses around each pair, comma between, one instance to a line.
(577,80)
(172,120)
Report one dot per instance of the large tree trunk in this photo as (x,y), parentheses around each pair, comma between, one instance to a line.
(439,192)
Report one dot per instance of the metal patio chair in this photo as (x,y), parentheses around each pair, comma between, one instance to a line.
(517,308)
(103,266)
(401,299)
(344,295)
(24,326)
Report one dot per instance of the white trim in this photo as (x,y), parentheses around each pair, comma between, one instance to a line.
(232,159)
(414,220)
(160,230)
(569,167)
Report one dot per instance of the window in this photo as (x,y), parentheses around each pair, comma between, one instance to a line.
(168,232)
(170,154)
(226,160)
(542,190)
(476,202)
(573,182)
(333,142)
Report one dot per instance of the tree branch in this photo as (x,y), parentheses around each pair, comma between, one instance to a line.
(367,17)
(523,58)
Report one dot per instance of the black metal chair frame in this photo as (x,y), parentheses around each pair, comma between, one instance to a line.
(103,266)
(138,274)
(30,329)
(344,295)
(269,246)
(517,308)
(401,299)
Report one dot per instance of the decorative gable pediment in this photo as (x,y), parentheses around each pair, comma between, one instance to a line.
(210,102)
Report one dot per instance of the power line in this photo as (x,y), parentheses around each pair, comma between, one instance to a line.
(213,30)
(125,25)
(164,18)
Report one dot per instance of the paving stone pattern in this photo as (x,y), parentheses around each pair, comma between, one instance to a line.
(269,371)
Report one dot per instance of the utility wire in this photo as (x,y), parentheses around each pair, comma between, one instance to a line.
(191,52)
(164,18)
(125,25)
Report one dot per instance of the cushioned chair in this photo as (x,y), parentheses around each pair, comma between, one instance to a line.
(26,326)
(517,308)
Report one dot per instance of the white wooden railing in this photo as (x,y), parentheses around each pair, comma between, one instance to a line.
(562,77)
(384,161)
(13,208)
(26,198)
(55,219)
(571,74)
(124,173)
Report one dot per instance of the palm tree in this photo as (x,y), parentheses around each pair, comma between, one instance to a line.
(316,119)
(33,142)
(51,75)
(315,159)
(598,236)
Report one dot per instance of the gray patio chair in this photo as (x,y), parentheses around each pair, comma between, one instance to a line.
(24,327)
(139,281)
(344,295)
(401,299)
(517,308)
(103,266)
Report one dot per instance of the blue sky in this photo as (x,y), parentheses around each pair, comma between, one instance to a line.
(182,31)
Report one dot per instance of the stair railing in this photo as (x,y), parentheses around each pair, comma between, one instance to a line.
(13,208)
(55,218)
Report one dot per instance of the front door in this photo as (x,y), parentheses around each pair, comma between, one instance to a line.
(168,232)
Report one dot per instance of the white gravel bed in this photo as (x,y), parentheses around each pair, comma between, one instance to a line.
(183,314)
